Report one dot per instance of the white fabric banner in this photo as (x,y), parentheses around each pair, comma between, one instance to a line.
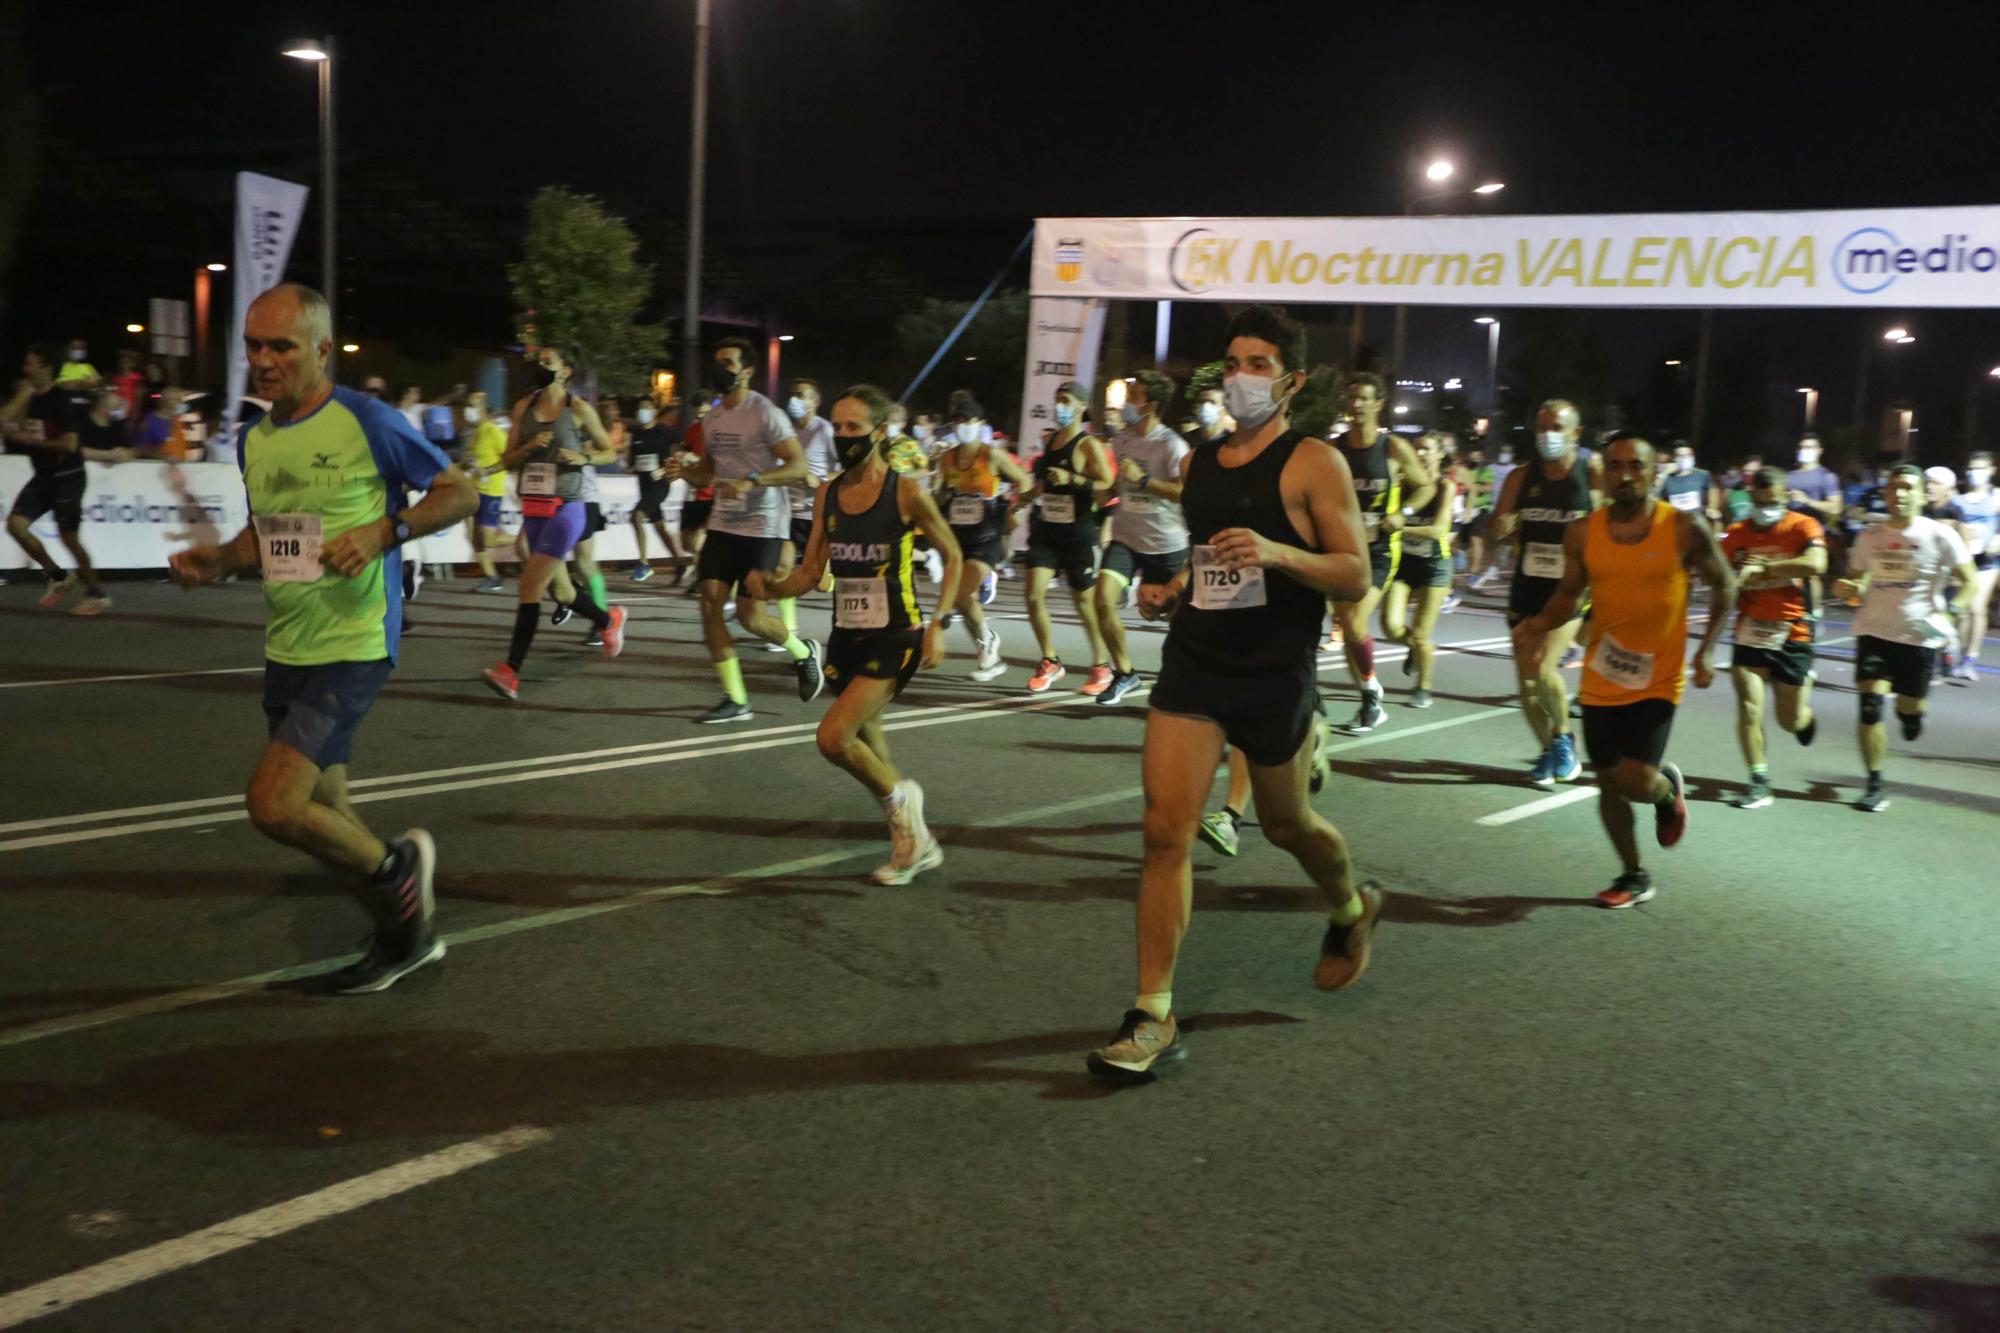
(1063,338)
(1894,258)
(137,514)
(268,211)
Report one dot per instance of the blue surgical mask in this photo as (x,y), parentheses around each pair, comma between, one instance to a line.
(1208,414)
(799,408)
(1065,415)
(1552,444)
(1131,415)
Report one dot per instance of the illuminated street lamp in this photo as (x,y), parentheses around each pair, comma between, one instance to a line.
(320,53)
(135,328)
(1899,334)
(1812,406)
(1492,363)
(1440,170)
(216,268)
(350,348)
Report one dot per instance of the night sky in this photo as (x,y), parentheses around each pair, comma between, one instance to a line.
(967,111)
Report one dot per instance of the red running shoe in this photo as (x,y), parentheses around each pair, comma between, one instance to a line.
(1670,822)
(614,633)
(502,681)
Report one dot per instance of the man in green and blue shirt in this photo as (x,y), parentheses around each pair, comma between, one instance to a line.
(326,470)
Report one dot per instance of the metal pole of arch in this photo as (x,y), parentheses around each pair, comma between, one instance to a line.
(1701,380)
(697,187)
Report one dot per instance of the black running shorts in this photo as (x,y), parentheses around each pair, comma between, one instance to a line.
(802,531)
(63,494)
(1382,561)
(694,514)
(1075,557)
(1266,715)
(1789,665)
(878,654)
(1636,731)
(1906,666)
(983,543)
(1123,561)
(652,504)
(1424,571)
(727,556)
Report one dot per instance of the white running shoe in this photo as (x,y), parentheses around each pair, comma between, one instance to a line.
(990,663)
(914,850)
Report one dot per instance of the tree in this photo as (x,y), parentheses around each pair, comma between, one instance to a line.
(996,341)
(580,281)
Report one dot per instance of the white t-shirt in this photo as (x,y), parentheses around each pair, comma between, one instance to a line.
(1144,522)
(742,440)
(816,441)
(1910,569)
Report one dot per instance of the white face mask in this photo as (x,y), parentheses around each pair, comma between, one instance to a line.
(1208,414)
(1131,415)
(647,416)
(798,407)
(1552,444)
(1978,476)
(1683,465)
(1766,516)
(920,433)
(968,432)
(1506,458)
(1808,458)
(1249,399)
(473,416)
(895,429)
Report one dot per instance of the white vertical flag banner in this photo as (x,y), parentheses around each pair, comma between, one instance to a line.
(1064,334)
(268,211)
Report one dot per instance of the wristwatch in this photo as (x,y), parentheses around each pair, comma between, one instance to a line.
(400,530)
(752,479)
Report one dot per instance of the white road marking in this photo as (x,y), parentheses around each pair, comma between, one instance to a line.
(718,886)
(149,675)
(1542,806)
(62,1293)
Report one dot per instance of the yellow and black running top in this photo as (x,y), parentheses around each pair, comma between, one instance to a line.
(1375,488)
(870,554)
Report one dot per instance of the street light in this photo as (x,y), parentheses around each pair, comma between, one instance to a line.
(1812,407)
(1491,187)
(350,348)
(320,53)
(1441,169)
(135,328)
(1492,363)
(786,337)
(216,268)
(1897,334)
(1673,363)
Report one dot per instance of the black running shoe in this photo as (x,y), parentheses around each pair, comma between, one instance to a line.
(560,614)
(1759,794)
(1628,890)
(1420,697)
(1368,717)
(594,639)
(1122,684)
(386,963)
(726,711)
(1808,731)
(1913,725)
(812,679)
(1873,801)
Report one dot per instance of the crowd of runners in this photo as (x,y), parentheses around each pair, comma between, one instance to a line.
(1243,534)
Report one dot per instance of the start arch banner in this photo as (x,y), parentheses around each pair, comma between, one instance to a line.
(1894,258)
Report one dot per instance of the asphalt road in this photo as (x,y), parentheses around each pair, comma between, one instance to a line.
(686,1068)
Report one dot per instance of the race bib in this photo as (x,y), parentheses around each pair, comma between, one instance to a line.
(1896,568)
(967,511)
(647,462)
(1136,503)
(729,502)
(1766,634)
(1620,665)
(1542,560)
(1688,501)
(290,544)
(1219,588)
(1059,508)
(861,603)
(538,479)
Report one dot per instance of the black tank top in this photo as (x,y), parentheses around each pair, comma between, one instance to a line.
(1373,490)
(1546,508)
(873,544)
(1081,492)
(1282,633)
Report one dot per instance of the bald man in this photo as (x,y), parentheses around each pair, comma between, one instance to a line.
(326,470)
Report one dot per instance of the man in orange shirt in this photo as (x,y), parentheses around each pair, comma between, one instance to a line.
(1773,550)
(1633,558)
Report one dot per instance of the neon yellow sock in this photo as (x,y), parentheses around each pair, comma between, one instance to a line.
(1348,915)
(1158,1005)
(730,672)
(788,611)
(597,594)
(797,648)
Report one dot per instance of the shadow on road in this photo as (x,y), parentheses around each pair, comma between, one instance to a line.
(416,1084)
(1959,1307)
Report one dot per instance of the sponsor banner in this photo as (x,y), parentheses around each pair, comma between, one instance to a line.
(1900,258)
(137,514)
(1063,338)
(267,219)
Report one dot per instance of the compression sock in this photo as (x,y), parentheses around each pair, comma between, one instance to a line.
(797,647)
(526,617)
(1364,661)
(788,611)
(590,610)
(1158,1005)
(730,672)
(597,594)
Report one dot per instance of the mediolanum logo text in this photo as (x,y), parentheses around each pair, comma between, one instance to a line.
(1869,259)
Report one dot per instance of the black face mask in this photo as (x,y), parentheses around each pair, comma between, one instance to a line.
(540,376)
(856,450)
(721,378)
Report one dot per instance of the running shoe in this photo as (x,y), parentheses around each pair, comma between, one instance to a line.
(503,680)
(1142,1042)
(1097,682)
(1873,801)
(1563,752)
(1451,603)
(1219,831)
(1369,716)
(928,856)
(593,637)
(1968,670)
(1543,774)
(1913,725)
(774,647)
(1048,673)
(58,592)
(950,619)
(93,604)
(641,572)
(383,966)
(812,679)
(989,588)
(1628,890)
(1806,733)
(1344,951)
(1122,684)
(1333,642)
(613,634)
(913,849)
(1759,794)
(405,936)
(560,614)
(1420,697)
(1409,662)
(726,711)
(1670,818)
(989,664)
(494,584)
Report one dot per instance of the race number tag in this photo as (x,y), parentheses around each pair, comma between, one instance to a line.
(1687,501)
(1542,560)
(1219,588)
(538,479)
(290,544)
(1765,634)
(1059,508)
(729,502)
(861,603)
(1894,569)
(1620,665)
(647,462)
(967,511)
(1138,503)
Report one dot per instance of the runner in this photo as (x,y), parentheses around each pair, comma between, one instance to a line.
(1423,574)
(1900,569)
(1633,560)
(1276,532)
(1541,500)
(697,504)
(1691,489)
(40,421)
(1980,504)
(1062,535)
(970,474)
(654,440)
(1389,482)
(1778,553)
(815,436)
(1497,543)
(552,431)
(329,555)
(486,443)
(752,456)
(864,529)
(1149,538)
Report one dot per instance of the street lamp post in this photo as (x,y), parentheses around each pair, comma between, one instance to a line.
(320,53)
(1812,407)
(1895,337)
(1492,365)
(1437,173)
(697,178)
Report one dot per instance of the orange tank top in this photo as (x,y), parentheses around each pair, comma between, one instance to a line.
(1638,613)
(977,478)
